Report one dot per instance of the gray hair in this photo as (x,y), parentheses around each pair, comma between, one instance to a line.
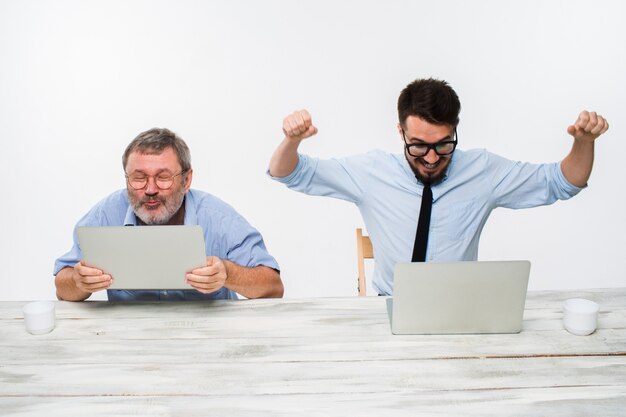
(155,141)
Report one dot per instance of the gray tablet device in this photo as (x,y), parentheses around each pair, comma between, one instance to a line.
(144,257)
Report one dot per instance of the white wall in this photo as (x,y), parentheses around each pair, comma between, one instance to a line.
(78,80)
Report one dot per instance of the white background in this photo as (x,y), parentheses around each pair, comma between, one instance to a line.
(78,81)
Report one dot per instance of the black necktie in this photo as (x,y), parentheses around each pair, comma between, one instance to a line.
(421,236)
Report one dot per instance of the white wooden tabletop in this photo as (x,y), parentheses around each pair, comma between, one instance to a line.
(316,357)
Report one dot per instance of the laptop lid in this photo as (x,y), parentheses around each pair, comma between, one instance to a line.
(459,297)
(144,257)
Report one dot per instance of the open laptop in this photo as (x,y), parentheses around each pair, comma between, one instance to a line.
(458,297)
(144,257)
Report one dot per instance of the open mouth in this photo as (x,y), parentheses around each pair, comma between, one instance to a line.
(429,166)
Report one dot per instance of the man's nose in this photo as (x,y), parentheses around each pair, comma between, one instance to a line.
(151,187)
(431,156)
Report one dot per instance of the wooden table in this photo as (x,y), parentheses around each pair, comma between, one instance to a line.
(317,357)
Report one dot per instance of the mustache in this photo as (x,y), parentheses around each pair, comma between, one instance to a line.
(146,199)
(423,161)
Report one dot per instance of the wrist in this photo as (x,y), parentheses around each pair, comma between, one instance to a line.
(292,142)
(584,141)
(228,267)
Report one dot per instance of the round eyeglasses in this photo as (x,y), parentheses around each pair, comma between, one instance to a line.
(442,148)
(140,181)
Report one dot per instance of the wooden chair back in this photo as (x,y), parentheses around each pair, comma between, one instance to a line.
(364,251)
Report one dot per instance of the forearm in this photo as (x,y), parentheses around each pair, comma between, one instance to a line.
(66,286)
(285,158)
(255,282)
(577,165)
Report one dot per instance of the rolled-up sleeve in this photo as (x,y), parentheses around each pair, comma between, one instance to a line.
(111,211)
(522,185)
(247,247)
(340,178)
(75,254)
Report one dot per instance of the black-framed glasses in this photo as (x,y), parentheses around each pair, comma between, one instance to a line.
(442,148)
(163,182)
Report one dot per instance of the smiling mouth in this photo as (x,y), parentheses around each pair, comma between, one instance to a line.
(429,166)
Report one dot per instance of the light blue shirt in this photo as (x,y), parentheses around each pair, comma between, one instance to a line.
(227,235)
(388,195)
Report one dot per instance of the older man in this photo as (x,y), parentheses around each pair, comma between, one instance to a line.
(157,165)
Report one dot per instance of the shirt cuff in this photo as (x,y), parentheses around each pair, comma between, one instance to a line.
(567,186)
(302,161)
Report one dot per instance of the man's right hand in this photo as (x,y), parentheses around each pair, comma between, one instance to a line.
(90,279)
(298,126)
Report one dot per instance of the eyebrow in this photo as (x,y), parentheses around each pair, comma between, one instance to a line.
(161,171)
(423,142)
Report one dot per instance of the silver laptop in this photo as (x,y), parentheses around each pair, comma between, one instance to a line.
(144,257)
(458,297)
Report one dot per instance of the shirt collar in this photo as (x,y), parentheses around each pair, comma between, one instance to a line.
(191,214)
(130,219)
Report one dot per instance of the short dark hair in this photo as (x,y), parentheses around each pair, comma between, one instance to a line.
(155,141)
(432,100)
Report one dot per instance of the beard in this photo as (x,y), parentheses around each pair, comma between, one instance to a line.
(163,213)
(428,177)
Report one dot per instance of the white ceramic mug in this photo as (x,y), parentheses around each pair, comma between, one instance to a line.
(580,316)
(39,317)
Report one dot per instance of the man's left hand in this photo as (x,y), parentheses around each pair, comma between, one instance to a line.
(588,126)
(209,278)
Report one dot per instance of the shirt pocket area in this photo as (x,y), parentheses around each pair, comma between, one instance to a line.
(460,219)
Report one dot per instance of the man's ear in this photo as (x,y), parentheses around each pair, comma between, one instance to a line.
(188,177)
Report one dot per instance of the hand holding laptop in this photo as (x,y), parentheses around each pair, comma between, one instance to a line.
(90,279)
(208,278)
